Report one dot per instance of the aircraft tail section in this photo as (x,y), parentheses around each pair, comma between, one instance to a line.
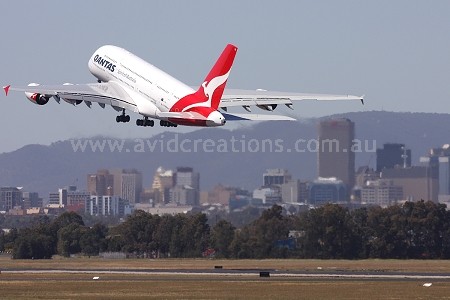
(214,84)
(210,91)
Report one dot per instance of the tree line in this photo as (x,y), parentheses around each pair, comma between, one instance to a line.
(414,230)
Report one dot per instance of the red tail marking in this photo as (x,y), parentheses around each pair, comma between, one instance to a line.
(6,88)
(211,90)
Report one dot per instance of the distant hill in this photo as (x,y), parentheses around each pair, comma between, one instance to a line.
(46,168)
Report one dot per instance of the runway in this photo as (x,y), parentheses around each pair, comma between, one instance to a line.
(240,273)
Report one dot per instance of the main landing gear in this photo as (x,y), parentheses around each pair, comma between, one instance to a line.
(167,124)
(145,122)
(123,118)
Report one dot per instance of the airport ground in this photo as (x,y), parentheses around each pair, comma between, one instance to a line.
(61,278)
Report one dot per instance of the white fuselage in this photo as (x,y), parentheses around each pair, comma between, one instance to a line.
(152,89)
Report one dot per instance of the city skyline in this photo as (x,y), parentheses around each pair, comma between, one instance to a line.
(109,192)
(18,168)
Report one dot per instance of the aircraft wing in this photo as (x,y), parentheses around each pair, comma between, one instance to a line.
(234,97)
(108,93)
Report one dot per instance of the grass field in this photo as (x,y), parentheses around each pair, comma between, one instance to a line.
(70,286)
(427,266)
(144,286)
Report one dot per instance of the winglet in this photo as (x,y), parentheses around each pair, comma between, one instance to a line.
(362,99)
(6,88)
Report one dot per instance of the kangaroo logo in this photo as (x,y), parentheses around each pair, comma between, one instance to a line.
(208,89)
(208,95)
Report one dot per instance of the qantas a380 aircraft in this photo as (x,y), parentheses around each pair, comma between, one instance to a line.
(127,82)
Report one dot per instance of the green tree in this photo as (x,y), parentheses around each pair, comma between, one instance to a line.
(445,251)
(65,219)
(245,217)
(243,244)
(222,235)
(22,248)
(69,239)
(138,233)
(259,239)
(426,226)
(93,240)
(195,235)
(270,228)
(177,244)
(10,239)
(31,245)
(2,241)
(163,235)
(329,232)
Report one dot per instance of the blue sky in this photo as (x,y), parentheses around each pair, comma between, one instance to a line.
(397,53)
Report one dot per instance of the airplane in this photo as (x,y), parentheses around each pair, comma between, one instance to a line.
(129,83)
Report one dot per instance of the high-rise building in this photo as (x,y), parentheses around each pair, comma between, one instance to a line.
(127,184)
(444,177)
(10,197)
(183,195)
(186,188)
(187,176)
(418,182)
(381,192)
(365,174)
(100,183)
(53,199)
(69,197)
(163,181)
(268,195)
(106,206)
(392,155)
(336,157)
(76,198)
(438,160)
(31,199)
(276,177)
(294,191)
(220,195)
(327,190)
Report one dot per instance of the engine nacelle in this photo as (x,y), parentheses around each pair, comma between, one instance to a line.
(37,98)
(269,107)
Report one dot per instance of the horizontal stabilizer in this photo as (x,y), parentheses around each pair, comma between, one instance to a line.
(256,117)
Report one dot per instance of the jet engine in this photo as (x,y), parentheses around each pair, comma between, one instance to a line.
(37,98)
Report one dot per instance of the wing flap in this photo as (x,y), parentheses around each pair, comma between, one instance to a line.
(235,97)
